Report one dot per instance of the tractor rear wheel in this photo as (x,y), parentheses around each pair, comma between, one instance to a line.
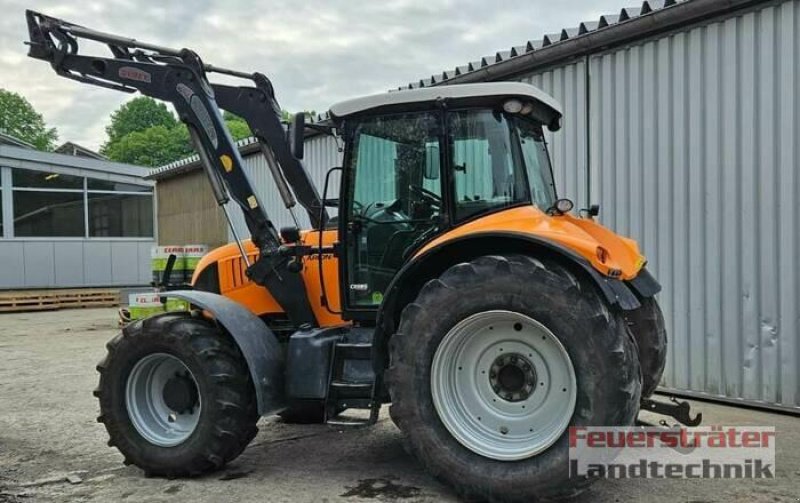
(175,396)
(648,329)
(491,365)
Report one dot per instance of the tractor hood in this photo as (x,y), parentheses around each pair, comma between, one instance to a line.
(609,253)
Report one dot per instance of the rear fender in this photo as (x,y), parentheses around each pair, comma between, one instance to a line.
(433,262)
(259,346)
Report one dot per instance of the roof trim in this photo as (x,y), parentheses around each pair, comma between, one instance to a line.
(9,154)
(652,18)
(7,139)
(69,145)
(189,163)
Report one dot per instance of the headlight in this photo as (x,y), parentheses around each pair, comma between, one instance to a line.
(512,106)
(564,205)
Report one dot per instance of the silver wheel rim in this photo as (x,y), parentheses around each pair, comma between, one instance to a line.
(157,422)
(503,419)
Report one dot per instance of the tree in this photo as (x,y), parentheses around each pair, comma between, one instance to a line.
(18,118)
(144,132)
(237,126)
(154,146)
(136,115)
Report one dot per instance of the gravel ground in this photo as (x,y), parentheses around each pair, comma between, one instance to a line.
(51,448)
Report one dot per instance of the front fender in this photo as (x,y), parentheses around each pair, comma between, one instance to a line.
(259,346)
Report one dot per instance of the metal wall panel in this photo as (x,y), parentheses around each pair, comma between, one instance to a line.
(568,147)
(68,262)
(97,262)
(12,272)
(124,263)
(694,154)
(74,263)
(321,154)
(39,263)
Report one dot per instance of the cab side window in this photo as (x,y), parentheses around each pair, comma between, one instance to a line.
(484,164)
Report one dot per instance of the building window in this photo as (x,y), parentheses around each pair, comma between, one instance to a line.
(47,204)
(120,215)
(57,205)
(48,214)
(30,179)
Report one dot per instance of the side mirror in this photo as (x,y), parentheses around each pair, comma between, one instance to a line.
(592,211)
(296,134)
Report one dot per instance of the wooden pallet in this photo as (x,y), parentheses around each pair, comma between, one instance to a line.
(46,300)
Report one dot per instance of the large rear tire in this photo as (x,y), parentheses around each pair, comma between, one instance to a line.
(549,322)
(647,327)
(175,396)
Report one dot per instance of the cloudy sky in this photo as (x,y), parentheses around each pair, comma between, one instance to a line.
(315,51)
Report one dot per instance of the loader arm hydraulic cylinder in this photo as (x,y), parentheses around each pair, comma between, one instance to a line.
(259,108)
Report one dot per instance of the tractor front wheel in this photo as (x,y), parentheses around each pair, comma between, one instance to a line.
(491,365)
(175,396)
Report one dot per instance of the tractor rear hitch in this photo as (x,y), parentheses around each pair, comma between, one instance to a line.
(678,410)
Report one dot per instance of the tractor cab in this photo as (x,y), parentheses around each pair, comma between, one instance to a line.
(419,162)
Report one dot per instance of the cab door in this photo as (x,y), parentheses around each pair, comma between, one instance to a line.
(392,202)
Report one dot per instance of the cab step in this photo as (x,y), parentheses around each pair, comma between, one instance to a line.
(352,383)
(356,389)
(353,350)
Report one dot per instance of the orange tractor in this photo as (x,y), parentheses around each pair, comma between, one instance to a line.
(453,283)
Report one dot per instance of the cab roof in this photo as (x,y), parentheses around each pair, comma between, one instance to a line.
(546,108)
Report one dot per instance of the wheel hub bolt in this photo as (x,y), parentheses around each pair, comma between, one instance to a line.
(512,377)
(180,394)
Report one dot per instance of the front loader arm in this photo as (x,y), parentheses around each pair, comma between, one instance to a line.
(164,74)
(259,108)
(179,77)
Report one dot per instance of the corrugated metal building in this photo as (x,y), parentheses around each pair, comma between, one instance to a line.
(682,121)
(68,221)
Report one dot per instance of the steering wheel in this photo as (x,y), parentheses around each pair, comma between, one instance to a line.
(428,196)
